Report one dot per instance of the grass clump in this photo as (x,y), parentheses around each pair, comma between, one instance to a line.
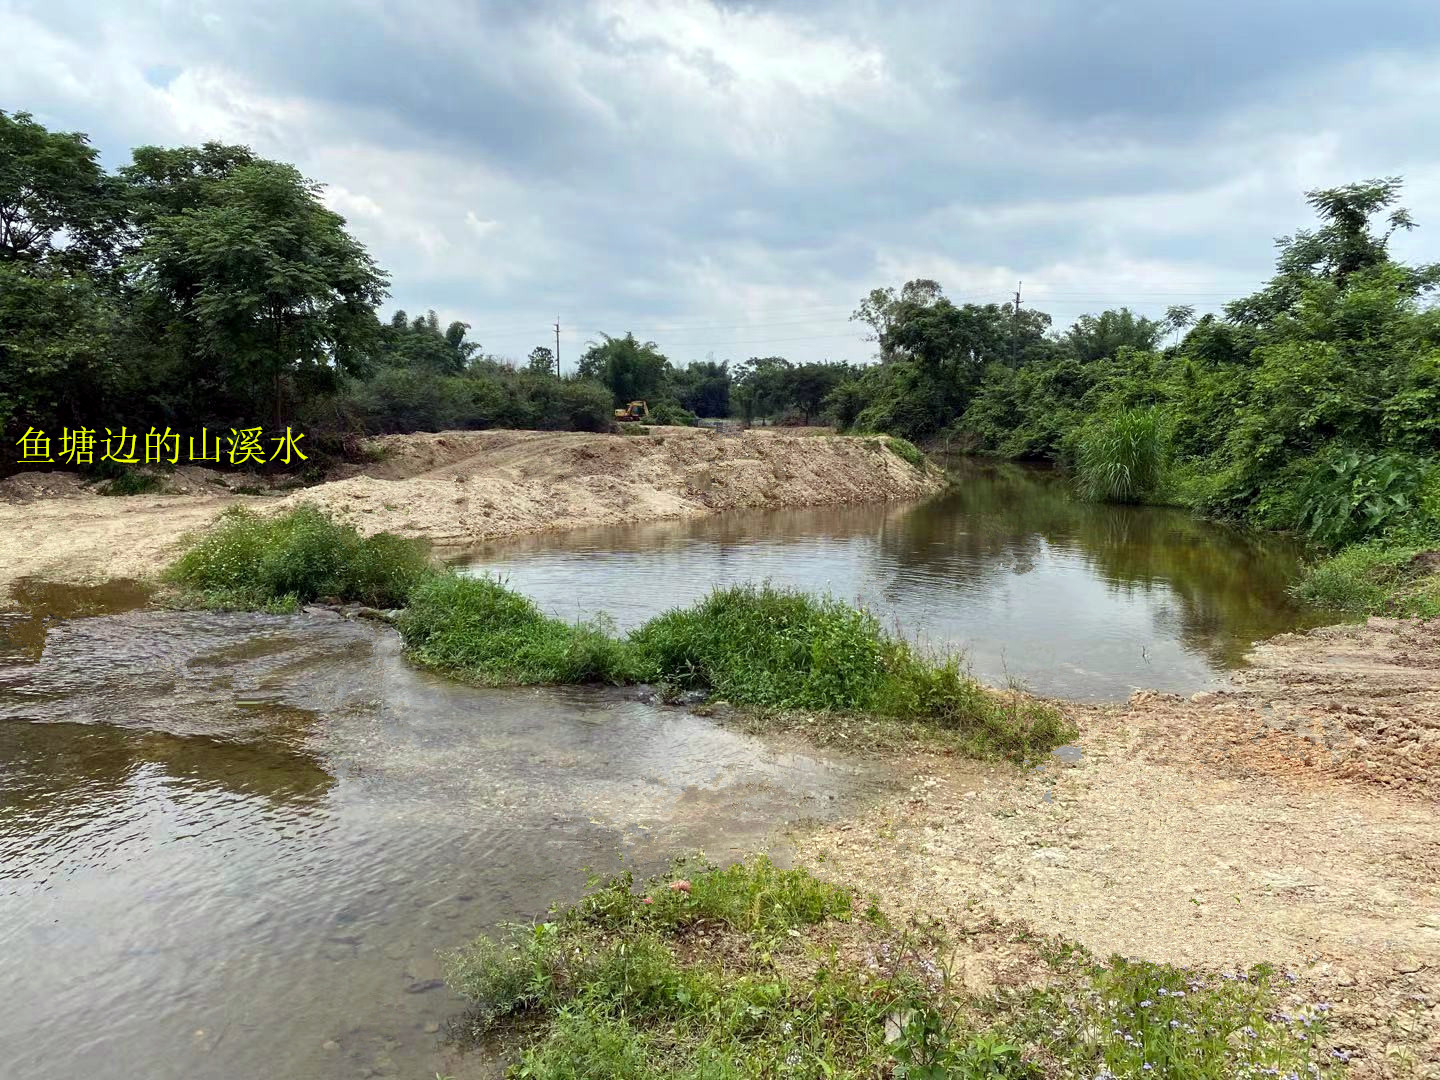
(276,563)
(130,482)
(1120,456)
(1378,578)
(905,450)
(753,971)
(774,649)
(480,630)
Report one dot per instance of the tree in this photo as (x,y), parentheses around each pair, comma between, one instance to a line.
(1100,337)
(56,203)
(632,369)
(267,279)
(1178,317)
(542,361)
(1345,243)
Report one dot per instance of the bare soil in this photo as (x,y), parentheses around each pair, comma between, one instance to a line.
(457,488)
(1292,819)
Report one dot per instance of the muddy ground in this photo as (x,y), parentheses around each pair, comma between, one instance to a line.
(458,488)
(1293,819)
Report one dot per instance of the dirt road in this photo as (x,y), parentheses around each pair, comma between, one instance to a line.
(461,487)
(1293,819)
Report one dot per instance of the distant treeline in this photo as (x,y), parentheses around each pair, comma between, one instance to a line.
(202,287)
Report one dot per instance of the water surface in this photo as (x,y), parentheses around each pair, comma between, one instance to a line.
(231,845)
(1073,599)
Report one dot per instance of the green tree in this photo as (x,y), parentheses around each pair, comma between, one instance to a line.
(267,281)
(542,361)
(56,202)
(631,369)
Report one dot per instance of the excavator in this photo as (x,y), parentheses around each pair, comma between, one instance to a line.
(633,413)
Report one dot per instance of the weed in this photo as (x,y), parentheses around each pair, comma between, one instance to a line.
(476,628)
(276,563)
(133,483)
(1378,578)
(905,450)
(740,976)
(1120,456)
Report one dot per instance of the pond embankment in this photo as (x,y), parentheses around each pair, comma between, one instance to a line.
(462,487)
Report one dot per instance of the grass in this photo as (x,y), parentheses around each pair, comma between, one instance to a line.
(276,563)
(1120,456)
(478,629)
(133,483)
(781,655)
(906,451)
(754,971)
(1376,578)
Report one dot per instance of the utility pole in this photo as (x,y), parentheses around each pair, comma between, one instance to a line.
(557,346)
(1015,326)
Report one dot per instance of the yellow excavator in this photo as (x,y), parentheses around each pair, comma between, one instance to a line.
(633,413)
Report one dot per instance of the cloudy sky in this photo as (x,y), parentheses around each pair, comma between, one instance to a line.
(730,179)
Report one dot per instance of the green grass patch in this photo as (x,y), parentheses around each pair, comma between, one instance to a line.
(133,483)
(905,450)
(1378,578)
(786,652)
(276,563)
(476,628)
(754,971)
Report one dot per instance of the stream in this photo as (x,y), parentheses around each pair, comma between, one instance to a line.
(231,845)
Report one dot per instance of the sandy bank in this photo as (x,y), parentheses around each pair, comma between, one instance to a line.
(460,487)
(1291,819)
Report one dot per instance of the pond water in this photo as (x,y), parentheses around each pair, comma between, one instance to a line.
(231,845)
(1073,599)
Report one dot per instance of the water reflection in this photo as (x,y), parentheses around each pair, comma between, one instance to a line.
(1074,599)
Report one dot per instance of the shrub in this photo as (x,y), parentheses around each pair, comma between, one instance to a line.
(670,414)
(133,483)
(476,628)
(1349,495)
(252,561)
(1120,456)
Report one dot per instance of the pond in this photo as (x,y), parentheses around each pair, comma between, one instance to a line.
(1072,599)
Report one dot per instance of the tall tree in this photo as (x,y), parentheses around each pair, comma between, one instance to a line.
(269,281)
(632,369)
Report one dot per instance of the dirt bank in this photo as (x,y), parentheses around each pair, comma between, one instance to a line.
(1291,819)
(460,487)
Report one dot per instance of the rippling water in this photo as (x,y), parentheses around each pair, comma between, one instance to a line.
(230,845)
(1073,599)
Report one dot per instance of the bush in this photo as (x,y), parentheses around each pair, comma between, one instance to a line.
(1349,495)
(133,483)
(480,630)
(670,414)
(279,562)
(1120,456)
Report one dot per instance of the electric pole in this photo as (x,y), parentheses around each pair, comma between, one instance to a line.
(557,346)
(1015,326)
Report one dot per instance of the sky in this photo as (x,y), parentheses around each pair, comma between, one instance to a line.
(730,179)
